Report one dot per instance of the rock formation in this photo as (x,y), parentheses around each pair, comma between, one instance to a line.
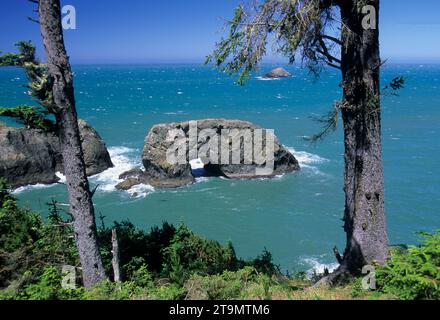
(277,73)
(96,155)
(30,156)
(160,172)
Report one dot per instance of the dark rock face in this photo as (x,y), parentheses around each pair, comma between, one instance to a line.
(96,155)
(28,157)
(278,73)
(31,156)
(160,172)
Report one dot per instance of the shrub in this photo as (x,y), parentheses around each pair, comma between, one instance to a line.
(246,283)
(143,278)
(413,273)
(138,247)
(167,292)
(189,253)
(47,287)
(155,264)
(264,263)
(227,285)
(18,227)
(56,244)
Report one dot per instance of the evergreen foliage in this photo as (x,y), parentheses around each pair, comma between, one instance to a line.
(414,273)
(30,117)
(32,252)
(39,86)
(174,263)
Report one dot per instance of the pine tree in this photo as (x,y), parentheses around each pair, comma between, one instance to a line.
(303,29)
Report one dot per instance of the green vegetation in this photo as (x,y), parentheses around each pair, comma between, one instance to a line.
(39,86)
(174,263)
(28,245)
(30,117)
(26,54)
(414,272)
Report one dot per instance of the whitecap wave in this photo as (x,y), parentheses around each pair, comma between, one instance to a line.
(317,267)
(306,158)
(202,179)
(140,191)
(267,79)
(63,204)
(124,159)
(308,161)
(61,177)
(32,187)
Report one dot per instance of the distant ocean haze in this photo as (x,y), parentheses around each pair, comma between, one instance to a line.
(297,217)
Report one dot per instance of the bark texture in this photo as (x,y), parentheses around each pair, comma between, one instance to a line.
(364,217)
(81,206)
(115,257)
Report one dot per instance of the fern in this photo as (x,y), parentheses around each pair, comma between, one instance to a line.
(414,273)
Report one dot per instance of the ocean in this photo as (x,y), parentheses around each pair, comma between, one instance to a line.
(297,217)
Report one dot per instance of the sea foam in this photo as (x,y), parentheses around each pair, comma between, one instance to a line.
(305,158)
(124,159)
(308,161)
(61,177)
(32,187)
(267,79)
(317,267)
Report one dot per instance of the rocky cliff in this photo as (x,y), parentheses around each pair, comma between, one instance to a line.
(29,156)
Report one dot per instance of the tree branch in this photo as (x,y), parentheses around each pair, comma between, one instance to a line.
(333,65)
(326,53)
(325,4)
(92,193)
(34,20)
(337,255)
(334,39)
(37,2)
(330,58)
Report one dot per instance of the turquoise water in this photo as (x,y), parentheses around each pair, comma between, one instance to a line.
(298,216)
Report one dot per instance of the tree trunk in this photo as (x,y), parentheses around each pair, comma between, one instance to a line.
(364,218)
(115,258)
(81,206)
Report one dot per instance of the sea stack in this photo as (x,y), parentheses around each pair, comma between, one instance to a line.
(160,173)
(278,73)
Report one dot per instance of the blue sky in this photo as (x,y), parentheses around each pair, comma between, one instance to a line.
(151,31)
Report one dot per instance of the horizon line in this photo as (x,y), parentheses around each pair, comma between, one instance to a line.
(170,62)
